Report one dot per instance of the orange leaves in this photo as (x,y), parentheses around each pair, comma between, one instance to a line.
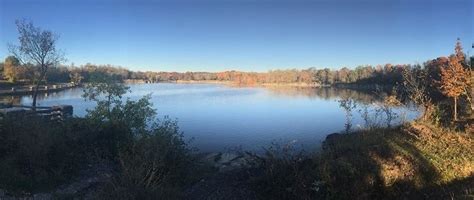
(454,78)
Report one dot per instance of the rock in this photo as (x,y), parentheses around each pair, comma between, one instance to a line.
(333,136)
(225,162)
(228,157)
(42,196)
(211,158)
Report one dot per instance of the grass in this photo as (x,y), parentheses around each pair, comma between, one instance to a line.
(416,160)
(401,160)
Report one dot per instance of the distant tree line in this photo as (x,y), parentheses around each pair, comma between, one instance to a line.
(12,71)
(387,74)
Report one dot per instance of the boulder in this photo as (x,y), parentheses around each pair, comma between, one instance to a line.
(230,161)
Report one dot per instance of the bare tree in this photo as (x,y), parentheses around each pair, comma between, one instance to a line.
(416,85)
(348,105)
(37,47)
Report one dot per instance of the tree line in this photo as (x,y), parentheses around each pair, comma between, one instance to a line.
(387,74)
(12,71)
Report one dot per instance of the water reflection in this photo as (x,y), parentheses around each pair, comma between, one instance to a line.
(327,93)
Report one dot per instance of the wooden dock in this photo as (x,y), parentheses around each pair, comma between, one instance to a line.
(54,113)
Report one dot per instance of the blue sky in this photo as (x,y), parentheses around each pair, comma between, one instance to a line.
(249,35)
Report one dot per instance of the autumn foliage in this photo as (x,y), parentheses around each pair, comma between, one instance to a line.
(455,78)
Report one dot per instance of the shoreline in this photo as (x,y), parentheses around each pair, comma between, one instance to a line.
(305,85)
(43,89)
(231,83)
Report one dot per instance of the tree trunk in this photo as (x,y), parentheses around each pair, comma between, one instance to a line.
(455,109)
(35,93)
(471,96)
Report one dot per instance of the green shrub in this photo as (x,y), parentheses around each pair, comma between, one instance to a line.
(153,160)
(155,165)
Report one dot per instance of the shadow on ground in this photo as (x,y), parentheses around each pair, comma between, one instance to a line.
(401,163)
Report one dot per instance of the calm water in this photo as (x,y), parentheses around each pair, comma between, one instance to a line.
(219,117)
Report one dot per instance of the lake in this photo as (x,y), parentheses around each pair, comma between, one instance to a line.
(219,117)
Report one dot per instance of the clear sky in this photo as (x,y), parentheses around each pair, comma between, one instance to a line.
(249,35)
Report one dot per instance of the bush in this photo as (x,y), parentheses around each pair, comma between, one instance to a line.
(155,165)
(288,174)
(154,161)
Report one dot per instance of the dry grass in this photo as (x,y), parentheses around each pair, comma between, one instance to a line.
(414,160)
(451,153)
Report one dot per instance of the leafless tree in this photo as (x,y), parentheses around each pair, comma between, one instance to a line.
(416,85)
(37,47)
